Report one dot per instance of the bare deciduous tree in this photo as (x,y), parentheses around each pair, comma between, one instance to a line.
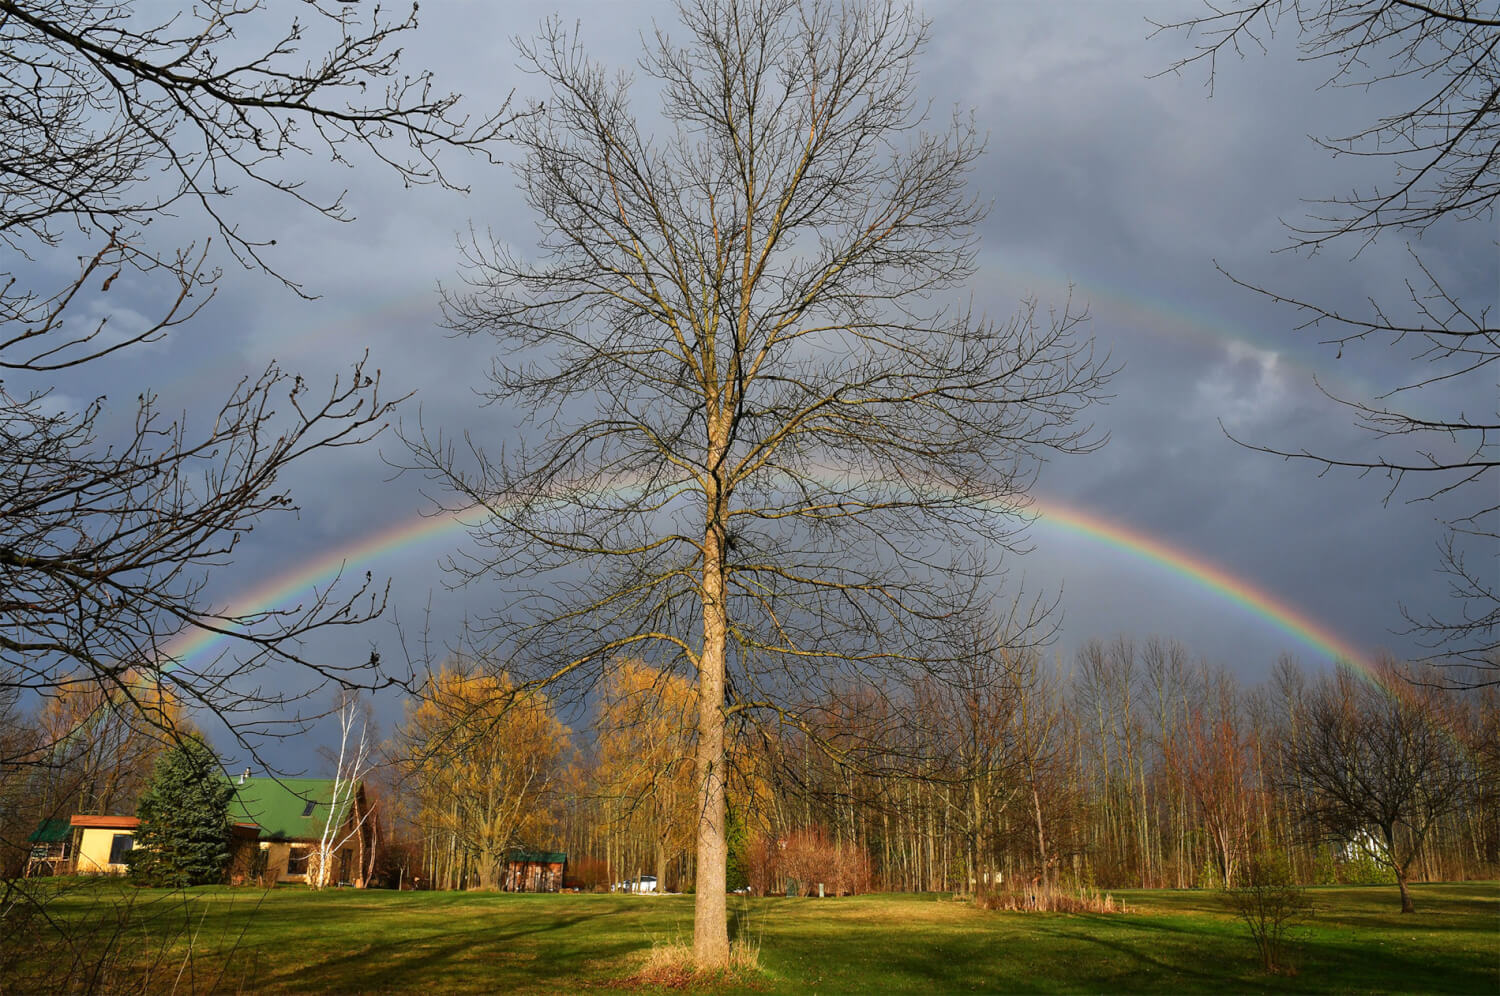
(349,815)
(114,118)
(1443,146)
(758,444)
(1378,763)
(1440,62)
(1211,757)
(116,115)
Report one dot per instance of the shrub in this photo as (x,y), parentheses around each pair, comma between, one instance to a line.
(762,864)
(810,858)
(1270,904)
(588,874)
(1364,869)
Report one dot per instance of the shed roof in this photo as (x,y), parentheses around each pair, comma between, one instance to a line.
(52,830)
(92,821)
(286,808)
(539,857)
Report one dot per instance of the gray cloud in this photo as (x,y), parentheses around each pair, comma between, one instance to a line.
(1129,186)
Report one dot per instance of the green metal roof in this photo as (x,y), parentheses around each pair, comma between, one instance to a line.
(278,806)
(52,830)
(540,857)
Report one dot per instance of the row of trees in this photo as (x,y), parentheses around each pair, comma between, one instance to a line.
(1133,766)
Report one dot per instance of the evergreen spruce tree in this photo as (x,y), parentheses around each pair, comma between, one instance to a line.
(184,834)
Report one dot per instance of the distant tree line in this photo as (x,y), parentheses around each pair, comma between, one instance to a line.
(1132,765)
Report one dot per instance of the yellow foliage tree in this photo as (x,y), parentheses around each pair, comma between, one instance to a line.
(102,748)
(483,759)
(645,770)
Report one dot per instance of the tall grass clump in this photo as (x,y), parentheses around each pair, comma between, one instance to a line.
(670,966)
(1049,898)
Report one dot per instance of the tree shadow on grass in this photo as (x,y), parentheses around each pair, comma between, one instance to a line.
(1162,954)
(481,957)
(1144,947)
(1372,963)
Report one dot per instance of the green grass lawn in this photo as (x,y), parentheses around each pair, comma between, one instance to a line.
(291,939)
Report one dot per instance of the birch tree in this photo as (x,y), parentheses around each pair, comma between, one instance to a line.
(760,445)
(347,811)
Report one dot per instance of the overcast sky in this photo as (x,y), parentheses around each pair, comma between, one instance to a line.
(1125,187)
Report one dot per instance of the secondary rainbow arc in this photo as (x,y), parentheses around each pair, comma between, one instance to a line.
(1195,568)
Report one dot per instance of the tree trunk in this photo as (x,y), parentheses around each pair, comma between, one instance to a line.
(489,870)
(710,906)
(1041,836)
(975,885)
(1388,832)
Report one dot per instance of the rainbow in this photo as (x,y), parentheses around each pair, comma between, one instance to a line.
(1054,514)
(1205,574)
(1120,303)
(318,571)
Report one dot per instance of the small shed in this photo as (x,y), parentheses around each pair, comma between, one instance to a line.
(51,847)
(534,871)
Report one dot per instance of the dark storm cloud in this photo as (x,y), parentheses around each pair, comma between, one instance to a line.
(1128,186)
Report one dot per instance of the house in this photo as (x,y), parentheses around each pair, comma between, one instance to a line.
(277,828)
(291,818)
(533,871)
(100,843)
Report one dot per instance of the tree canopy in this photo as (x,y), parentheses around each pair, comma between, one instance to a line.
(118,115)
(1437,428)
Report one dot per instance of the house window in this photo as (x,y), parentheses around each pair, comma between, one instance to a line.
(296,861)
(307,810)
(119,847)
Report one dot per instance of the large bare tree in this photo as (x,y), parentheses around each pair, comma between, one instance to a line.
(1437,62)
(760,447)
(117,117)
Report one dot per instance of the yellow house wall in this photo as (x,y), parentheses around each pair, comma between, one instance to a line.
(276,858)
(93,851)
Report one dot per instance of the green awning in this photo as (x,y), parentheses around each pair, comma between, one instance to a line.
(540,857)
(53,830)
